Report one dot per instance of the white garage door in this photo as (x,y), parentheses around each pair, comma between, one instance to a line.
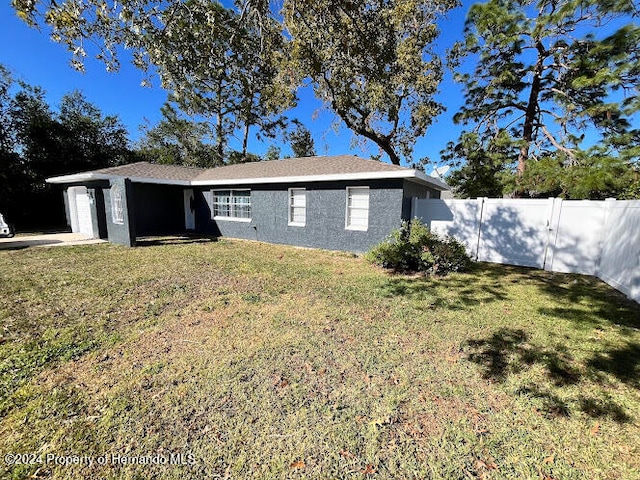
(80,211)
(84,214)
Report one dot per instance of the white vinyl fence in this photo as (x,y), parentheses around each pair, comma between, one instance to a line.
(600,238)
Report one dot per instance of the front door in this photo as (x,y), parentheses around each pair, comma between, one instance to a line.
(189,210)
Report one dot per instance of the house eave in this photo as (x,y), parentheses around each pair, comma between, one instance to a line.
(405,174)
(76,178)
(89,176)
(424,179)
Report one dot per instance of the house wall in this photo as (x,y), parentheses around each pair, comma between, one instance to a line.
(159,209)
(325,215)
(96,204)
(415,190)
(98,216)
(67,211)
(125,233)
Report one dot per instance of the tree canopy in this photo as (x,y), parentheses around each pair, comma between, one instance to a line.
(371,62)
(176,140)
(560,78)
(301,141)
(37,142)
(551,86)
(482,169)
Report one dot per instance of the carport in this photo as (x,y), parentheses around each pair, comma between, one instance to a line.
(129,201)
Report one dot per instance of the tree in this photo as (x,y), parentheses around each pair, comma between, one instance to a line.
(12,181)
(39,139)
(591,176)
(547,80)
(371,61)
(218,62)
(239,157)
(78,137)
(7,137)
(179,141)
(88,139)
(373,64)
(37,142)
(301,142)
(483,171)
(272,153)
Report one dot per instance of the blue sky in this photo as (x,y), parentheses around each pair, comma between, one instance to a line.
(33,57)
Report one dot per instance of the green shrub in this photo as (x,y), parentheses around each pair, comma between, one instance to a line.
(413,247)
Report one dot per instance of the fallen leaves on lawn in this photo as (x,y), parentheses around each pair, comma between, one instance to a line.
(280,382)
(368,470)
(346,454)
(489,464)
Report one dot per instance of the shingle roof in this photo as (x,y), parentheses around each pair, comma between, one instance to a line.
(153,170)
(293,169)
(297,167)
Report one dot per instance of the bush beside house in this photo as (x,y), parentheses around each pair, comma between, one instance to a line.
(414,248)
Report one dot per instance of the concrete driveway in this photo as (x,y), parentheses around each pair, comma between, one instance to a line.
(46,240)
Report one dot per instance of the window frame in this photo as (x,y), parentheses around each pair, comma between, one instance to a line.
(347,224)
(290,215)
(230,204)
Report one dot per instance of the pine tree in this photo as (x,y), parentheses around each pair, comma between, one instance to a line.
(301,141)
(560,77)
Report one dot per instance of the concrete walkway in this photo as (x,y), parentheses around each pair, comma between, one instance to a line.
(46,240)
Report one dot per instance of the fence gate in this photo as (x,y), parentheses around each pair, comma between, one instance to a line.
(515,234)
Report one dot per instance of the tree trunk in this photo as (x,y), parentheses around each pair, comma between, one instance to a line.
(219,139)
(532,109)
(382,142)
(220,129)
(388,149)
(245,140)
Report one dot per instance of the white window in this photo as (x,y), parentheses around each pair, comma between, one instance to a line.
(232,205)
(357,217)
(297,207)
(117,210)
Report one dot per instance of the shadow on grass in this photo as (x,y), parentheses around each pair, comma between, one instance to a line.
(510,351)
(182,239)
(584,300)
(484,283)
(623,363)
(606,306)
(20,243)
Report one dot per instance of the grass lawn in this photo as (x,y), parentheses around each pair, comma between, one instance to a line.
(265,361)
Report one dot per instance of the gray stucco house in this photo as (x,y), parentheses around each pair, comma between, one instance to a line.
(336,203)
